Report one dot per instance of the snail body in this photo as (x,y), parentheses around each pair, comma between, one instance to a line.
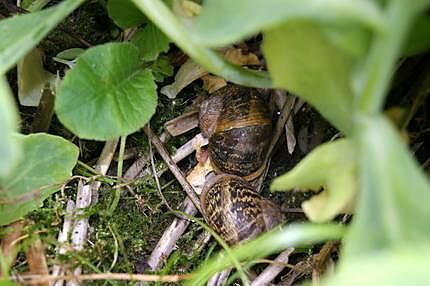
(237,213)
(239,127)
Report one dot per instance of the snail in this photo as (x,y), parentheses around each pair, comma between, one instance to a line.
(238,125)
(237,213)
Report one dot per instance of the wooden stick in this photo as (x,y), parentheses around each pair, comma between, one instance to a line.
(80,228)
(135,170)
(272,270)
(37,260)
(173,167)
(8,243)
(183,123)
(87,195)
(102,166)
(32,279)
(219,278)
(168,240)
(62,239)
(170,236)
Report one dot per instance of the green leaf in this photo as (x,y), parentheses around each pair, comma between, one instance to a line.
(419,38)
(47,160)
(301,60)
(224,21)
(161,69)
(22,33)
(70,54)
(166,21)
(393,195)
(150,41)
(8,283)
(125,14)
(332,166)
(351,39)
(268,243)
(405,265)
(34,5)
(107,94)
(10,148)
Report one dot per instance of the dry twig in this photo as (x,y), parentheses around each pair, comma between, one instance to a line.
(87,195)
(33,279)
(37,260)
(8,243)
(272,270)
(173,167)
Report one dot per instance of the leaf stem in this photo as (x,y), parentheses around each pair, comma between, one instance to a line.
(173,28)
(117,191)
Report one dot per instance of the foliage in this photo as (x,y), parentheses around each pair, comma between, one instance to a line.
(332,166)
(337,55)
(125,14)
(150,41)
(9,145)
(46,162)
(20,34)
(107,94)
(306,44)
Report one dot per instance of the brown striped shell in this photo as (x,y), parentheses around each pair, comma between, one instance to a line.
(237,213)
(239,127)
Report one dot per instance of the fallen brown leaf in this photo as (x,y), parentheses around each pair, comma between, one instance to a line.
(212,83)
(238,57)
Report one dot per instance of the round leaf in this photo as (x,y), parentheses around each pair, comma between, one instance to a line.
(107,94)
(48,160)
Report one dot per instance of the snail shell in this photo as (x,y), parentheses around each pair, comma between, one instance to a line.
(237,213)
(239,127)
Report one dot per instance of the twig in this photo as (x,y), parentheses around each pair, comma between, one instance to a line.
(154,172)
(37,260)
(173,167)
(80,228)
(219,278)
(87,194)
(8,245)
(168,240)
(183,123)
(102,166)
(272,270)
(32,279)
(57,270)
(135,170)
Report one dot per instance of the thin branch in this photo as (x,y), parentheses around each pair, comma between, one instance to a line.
(34,279)
(173,167)
(272,270)
(154,172)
